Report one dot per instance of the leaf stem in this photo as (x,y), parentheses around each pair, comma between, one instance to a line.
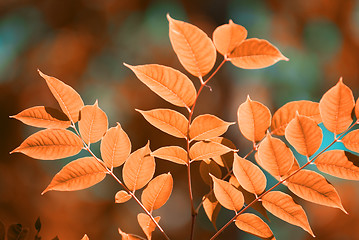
(280,182)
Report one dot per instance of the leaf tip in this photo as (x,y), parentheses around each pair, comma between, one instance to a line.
(230,21)
(128,65)
(168,17)
(248,98)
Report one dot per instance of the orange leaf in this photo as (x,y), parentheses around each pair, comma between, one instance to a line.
(249,175)
(167,120)
(157,192)
(43,117)
(50,144)
(351,141)
(283,206)
(69,100)
(211,207)
(85,237)
(147,225)
(253,224)
(93,123)
(255,53)
(336,108)
(139,168)
(122,196)
(209,167)
(126,236)
(204,150)
(168,83)
(172,153)
(253,119)
(304,135)
(228,36)
(286,113)
(357,109)
(336,163)
(192,46)
(79,174)
(225,160)
(207,126)
(313,187)
(275,156)
(227,195)
(115,147)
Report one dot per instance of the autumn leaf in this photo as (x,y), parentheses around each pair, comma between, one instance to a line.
(286,113)
(207,167)
(139,168)
(93,123)
(204,150)
(85,237)
(147,225)
(69,100)
(227,195)
(249,175)
(172,153)
(253,224)
(253,120)
(126,236)
(351,141)
(115,147)
(79,174)
(50,144)
(357,110)
(275,156)
(157,192)
(336,108)
(255,53)
(336,163)
(211,207)
(122,196)
(43,117)
(207,126)
(313,187)
(228,36)
(167,120)
(192,46)
(283,206)
(225,160)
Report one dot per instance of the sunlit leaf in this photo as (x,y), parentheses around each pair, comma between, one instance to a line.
(253,224)
(275,156)
(227,195)
(157,192)
(255,53)
(93,123)
(85,237)
(50,144)
(122,196)
(115,147)
(336,108)
(351,141)
(79,174)
(147,225)
(357,109)
(228,36)
(249,175)
(204,150)
(139,168)
(253,119)
(209,167)
(69,100)
(304,135)
(286,113)
(313,187)
(168,83)
(167,120)
(211,207)
(126,236)
(43,117)
(225,160)
(207,126)
(336,163)
(283,206)
(192,46)
(172,153)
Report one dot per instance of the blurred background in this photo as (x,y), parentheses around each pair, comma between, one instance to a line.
(85,42)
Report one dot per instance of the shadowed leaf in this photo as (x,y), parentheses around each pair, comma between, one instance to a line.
(79,174)
(255,53)
(17,232)
(286,113)
(38,224)
(253,224)
(211,207)
(336,107)
(69,100)
(122,197)
(172,153)
(204,150)
(50,144)
(351,141)
(192,46)
(209,167)
(283,206)
(225,160)
(147,225)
